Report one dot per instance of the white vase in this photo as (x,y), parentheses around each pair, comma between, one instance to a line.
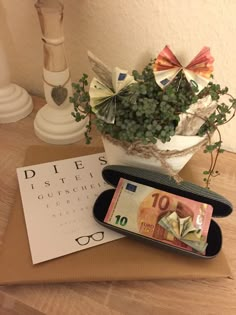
(119,156)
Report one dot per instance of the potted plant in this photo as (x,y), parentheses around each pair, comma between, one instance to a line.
(145,124)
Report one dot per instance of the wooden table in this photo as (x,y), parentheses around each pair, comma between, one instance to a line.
(113,298)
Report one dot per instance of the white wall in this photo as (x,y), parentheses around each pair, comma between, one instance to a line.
(126,33)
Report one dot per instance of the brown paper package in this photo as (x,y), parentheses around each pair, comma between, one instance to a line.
(122,259)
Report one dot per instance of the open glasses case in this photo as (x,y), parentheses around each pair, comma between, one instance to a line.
(221,206)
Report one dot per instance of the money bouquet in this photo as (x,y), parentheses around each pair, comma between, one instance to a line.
(157,118)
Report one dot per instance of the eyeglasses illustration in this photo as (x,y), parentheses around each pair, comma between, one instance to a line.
(85,239)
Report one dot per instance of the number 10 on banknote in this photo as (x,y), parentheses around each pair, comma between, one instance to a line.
(160,215)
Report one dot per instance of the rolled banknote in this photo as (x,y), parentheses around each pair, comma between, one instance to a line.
(196,115)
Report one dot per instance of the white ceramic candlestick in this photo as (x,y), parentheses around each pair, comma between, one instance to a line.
(15,102)
(54,122)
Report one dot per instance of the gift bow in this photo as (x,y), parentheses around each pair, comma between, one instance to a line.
(197,72)
(106,87)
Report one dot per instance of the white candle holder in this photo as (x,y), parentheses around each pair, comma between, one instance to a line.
(54,122)
(15,102)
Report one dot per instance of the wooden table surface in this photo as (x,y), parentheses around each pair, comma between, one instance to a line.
(126,297)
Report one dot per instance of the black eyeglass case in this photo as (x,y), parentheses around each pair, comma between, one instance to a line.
(221,206)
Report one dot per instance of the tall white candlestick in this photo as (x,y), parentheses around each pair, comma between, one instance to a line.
(54,122)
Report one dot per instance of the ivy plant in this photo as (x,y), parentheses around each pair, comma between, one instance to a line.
(148,113)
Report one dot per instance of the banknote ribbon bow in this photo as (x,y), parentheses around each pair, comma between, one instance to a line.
(106,87)
(103,96)
(198,71)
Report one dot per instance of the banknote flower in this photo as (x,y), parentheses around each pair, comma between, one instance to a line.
(105,92)
(164,100)
(184,230)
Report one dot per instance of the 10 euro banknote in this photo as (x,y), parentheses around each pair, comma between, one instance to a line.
(139,209)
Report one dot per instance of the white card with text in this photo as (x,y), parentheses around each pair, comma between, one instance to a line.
(57,199)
